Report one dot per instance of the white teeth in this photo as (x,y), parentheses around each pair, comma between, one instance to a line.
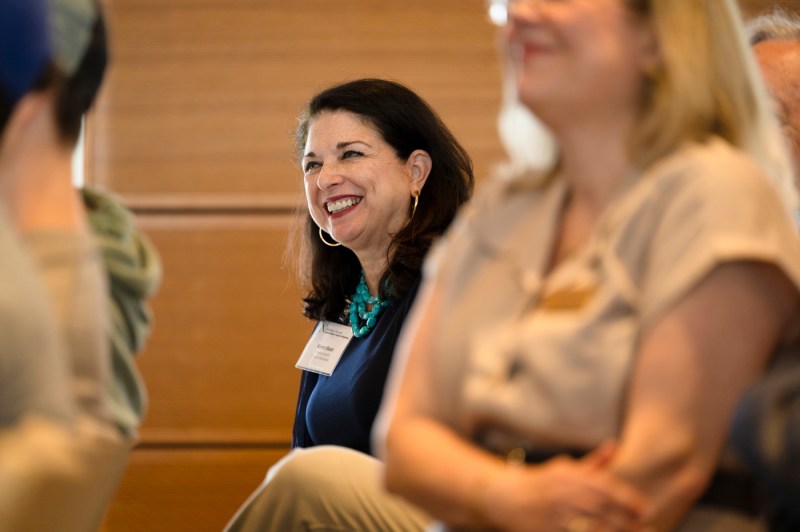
(336,206)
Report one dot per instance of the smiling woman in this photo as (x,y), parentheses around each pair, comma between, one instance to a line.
(375,145)
(359,189)
(383,178)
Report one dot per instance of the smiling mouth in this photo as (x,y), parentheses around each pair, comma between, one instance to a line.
(342,204)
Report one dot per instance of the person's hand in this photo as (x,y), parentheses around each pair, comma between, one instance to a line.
(564,495)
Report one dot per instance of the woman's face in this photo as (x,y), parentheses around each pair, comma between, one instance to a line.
(357,188)
(578,55)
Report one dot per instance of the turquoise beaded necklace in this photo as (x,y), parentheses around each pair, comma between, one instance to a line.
(362,321)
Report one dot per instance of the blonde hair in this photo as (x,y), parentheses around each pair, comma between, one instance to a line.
(707,84)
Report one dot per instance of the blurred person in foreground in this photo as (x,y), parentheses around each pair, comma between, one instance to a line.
(383,178)
(583,333)
(73,476)
(34,379)
(43,221)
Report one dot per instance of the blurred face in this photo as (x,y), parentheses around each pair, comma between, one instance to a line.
(780,66)
(358,190)
(578,55)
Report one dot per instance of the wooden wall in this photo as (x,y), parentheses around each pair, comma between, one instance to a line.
(194,131)
(755,7)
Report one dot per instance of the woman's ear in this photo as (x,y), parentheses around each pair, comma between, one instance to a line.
(419,166)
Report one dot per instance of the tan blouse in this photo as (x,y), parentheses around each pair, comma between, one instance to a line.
(548,358)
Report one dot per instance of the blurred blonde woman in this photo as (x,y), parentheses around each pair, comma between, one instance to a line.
(583,333)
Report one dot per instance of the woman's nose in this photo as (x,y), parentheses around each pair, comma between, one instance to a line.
(328,176)
(525,10)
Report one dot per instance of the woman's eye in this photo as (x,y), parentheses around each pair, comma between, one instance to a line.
(351,153)
(311,165)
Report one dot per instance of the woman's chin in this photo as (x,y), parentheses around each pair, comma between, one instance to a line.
(344,239)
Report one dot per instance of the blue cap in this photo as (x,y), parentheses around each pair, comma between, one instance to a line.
(24,45)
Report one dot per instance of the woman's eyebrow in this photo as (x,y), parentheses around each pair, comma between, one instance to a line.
(339,147)
(343,145)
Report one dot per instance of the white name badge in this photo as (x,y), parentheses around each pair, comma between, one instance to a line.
(325,348)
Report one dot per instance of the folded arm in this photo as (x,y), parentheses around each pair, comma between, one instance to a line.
(693,365)
(457,482)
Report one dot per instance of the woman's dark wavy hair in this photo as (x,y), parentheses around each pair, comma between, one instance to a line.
(407,123)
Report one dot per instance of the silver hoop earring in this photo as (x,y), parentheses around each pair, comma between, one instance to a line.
(326,242)
(414,207)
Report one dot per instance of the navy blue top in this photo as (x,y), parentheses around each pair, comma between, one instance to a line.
(340,409)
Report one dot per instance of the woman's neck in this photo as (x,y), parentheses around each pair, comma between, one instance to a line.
(374,267)
(595,166)
(595,162)
(36,180)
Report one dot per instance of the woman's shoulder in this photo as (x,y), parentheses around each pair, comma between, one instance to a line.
(492,222)
(504,197)
(712,174)
(713,163)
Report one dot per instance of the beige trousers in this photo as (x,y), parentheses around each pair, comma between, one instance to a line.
(326,488)
(336,489)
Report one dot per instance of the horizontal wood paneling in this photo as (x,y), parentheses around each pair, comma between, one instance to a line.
(220,364)
(203,94)
(755,7)
(202,97)
(195,490)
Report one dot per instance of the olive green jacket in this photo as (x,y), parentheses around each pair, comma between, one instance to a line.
(134,273)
